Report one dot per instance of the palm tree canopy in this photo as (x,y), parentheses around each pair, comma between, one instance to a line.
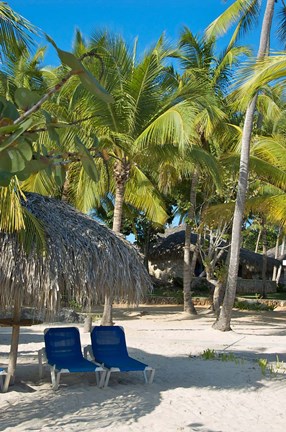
(84,260)
(15,31)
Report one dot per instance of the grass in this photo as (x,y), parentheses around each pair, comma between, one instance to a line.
(265,366)
(257,306)
(271,296)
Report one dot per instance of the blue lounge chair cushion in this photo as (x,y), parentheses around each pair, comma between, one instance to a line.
(109,348)
(63,350)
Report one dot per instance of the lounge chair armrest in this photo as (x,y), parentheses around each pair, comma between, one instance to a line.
(87,351)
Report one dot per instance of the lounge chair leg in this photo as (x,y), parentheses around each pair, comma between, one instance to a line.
(100,378)
(6,382)
(40,365)
(55,379)
(107,378)
(151,373)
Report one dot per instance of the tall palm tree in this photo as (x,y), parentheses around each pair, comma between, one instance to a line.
(241,11)
(197,55)
(145,111)
(149,112)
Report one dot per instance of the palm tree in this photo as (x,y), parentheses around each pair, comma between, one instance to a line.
(241,11)
(197,55)
(149,112)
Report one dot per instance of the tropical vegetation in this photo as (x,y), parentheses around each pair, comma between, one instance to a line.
(188,131)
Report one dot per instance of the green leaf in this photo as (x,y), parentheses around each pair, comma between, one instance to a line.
(18,163)
(14,159)
(5,162)
(25,98)
(8,129)
(8,109)
(32,167)
(60,175)
(87,79)
(86,160)
(26,150)
(53,135)
(23,127)
(5,178)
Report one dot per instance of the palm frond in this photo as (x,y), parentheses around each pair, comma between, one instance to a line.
(270,149)
(11,212)
(172,126)
(243,13)
(281,31)
(142,194)
(32,237)
(15,30)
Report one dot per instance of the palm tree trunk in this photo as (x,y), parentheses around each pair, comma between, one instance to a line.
(281,254)
(257,242)
(264,261)
(118,207)
(187,275)
(223,322)
(121,173)
(275,269)
(107,319)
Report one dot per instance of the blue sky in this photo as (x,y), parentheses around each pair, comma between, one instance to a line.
(146,19)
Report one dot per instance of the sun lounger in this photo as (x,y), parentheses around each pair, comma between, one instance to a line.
(64,355)
(108,347)
(2,373)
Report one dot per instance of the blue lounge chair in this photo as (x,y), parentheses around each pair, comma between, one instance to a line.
(63,354)
(108,347)
(2,373)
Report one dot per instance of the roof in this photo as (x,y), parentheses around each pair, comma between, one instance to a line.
(84,260)
(171,243)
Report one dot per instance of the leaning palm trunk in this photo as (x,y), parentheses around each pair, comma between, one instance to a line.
(187,275)
(223,322)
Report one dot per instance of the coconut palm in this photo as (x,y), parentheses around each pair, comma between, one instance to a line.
(241,12)
(149,112)
(197,56)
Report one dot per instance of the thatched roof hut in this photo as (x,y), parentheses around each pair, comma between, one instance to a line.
(169,251)
(84,260)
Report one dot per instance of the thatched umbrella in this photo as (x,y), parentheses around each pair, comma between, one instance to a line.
(84,261)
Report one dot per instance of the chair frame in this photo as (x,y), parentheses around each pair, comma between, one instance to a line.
(148,372)
(100,372)
(3,372)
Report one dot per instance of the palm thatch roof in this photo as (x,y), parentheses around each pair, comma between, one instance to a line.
(170,245)
(84,260)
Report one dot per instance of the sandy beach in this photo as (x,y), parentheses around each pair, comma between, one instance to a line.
(189,393)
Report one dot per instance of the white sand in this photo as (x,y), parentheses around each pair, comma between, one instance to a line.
(188,393)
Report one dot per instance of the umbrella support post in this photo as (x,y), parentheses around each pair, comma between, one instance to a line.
(10,377)
(106,319)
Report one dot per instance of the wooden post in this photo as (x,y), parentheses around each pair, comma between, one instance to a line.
(14,344)
(87,324)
